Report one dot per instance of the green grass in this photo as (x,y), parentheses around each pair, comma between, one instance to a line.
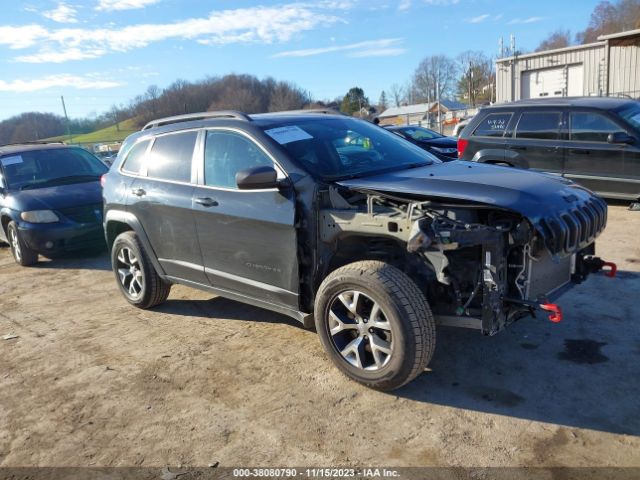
(106,135)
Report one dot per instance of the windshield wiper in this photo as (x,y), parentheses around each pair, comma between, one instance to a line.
(61,180)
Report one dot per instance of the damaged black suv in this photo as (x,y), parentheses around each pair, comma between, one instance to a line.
(345,226)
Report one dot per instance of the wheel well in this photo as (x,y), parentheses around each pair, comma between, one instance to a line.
(5,223)
(115,228)
(355,248)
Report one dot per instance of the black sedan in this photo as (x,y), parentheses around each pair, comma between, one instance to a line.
(50,200)
(445,148)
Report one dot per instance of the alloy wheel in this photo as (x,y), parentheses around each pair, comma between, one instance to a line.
(130,272)
(360,331)
(15,244)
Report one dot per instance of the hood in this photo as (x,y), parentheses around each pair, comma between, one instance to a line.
(545,199)
(57,197)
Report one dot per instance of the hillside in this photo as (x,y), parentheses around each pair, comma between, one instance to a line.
(105,135)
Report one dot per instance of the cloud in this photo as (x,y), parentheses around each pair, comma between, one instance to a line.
(383,52)
(517,21)
(360,49)
(479,18)
(114,5)
(58,81)
(404,5)
(242,25)
(63,13)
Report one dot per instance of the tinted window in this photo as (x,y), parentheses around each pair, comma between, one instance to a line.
(339,147)
(493,125)
(170,157)
(225,154)
(539,125)
(419,133)
(631,114)
(49,167)
(591,127)
(133,162)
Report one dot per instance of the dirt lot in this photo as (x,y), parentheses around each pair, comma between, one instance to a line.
(93,381)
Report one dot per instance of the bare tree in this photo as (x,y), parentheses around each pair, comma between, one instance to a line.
(558,39)
(435,77)
(477,76)
(398,95)
(608,17)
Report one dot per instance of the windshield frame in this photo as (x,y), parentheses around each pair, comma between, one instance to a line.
(11,184)
(630,111)
(419,157)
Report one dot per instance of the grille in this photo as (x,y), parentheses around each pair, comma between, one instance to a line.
(572,230)
(83,213)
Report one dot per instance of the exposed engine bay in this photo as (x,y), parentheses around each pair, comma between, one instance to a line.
(480,266)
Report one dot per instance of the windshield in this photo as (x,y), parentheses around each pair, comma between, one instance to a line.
(49,167)
(419,133)
(632,115)
(335,147)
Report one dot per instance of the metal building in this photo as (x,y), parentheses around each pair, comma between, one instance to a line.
(610,66)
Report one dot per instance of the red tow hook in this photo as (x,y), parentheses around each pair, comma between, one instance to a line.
(556,312)
(614,268)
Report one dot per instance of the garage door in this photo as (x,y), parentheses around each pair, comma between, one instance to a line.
(553,82)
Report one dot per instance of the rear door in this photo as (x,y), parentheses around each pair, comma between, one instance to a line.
(486,143)
(537,140)
(591,160)
(161,201)
(248,237)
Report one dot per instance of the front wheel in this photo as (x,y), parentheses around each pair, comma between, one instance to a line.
(138,280)
(375,324)
(22,254)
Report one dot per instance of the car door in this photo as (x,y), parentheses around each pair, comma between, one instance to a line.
(591,160)
(537,140)
(248,237)
(161,197)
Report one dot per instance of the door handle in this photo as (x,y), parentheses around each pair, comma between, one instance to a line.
(579,151)
(206,202)
(138,192)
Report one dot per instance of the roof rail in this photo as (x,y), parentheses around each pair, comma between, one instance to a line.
(325,111)
(33,142)
(197,116)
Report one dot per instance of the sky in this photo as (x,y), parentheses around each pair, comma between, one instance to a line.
(97,53)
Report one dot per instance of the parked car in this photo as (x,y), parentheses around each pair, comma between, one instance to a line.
(444,148)
(457,130)
(371,240)
(50,200)
(592,140)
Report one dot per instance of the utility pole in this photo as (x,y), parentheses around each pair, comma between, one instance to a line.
(438,102)
(66,118)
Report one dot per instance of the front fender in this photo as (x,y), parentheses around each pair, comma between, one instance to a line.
(127,218)
(7,215)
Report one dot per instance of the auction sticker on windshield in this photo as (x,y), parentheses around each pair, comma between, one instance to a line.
(289,134)
(13,160)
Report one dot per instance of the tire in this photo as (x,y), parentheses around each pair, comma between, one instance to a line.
(137,278)
(403,324)
(22,254)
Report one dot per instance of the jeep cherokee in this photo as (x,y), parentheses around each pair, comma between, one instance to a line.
(343,225)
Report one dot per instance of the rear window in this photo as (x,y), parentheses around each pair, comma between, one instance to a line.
(133,162)
(493,125)
(170,157)
(539,125)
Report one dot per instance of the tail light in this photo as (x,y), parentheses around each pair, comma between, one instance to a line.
(462,146)
(103,178)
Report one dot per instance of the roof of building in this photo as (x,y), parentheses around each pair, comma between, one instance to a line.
(419,108)
(628,33)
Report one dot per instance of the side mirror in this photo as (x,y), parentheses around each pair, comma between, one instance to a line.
(620,137)
(257,178)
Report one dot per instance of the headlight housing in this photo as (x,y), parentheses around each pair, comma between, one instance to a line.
(445,151)
(39,216)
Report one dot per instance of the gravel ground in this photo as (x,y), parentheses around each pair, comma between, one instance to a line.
(93,381)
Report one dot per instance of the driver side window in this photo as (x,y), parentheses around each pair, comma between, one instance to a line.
(226,153)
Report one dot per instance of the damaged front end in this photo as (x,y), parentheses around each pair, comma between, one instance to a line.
(480,266)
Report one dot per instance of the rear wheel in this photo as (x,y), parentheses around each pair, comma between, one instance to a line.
(375,324)
(22,254)
(138,280)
